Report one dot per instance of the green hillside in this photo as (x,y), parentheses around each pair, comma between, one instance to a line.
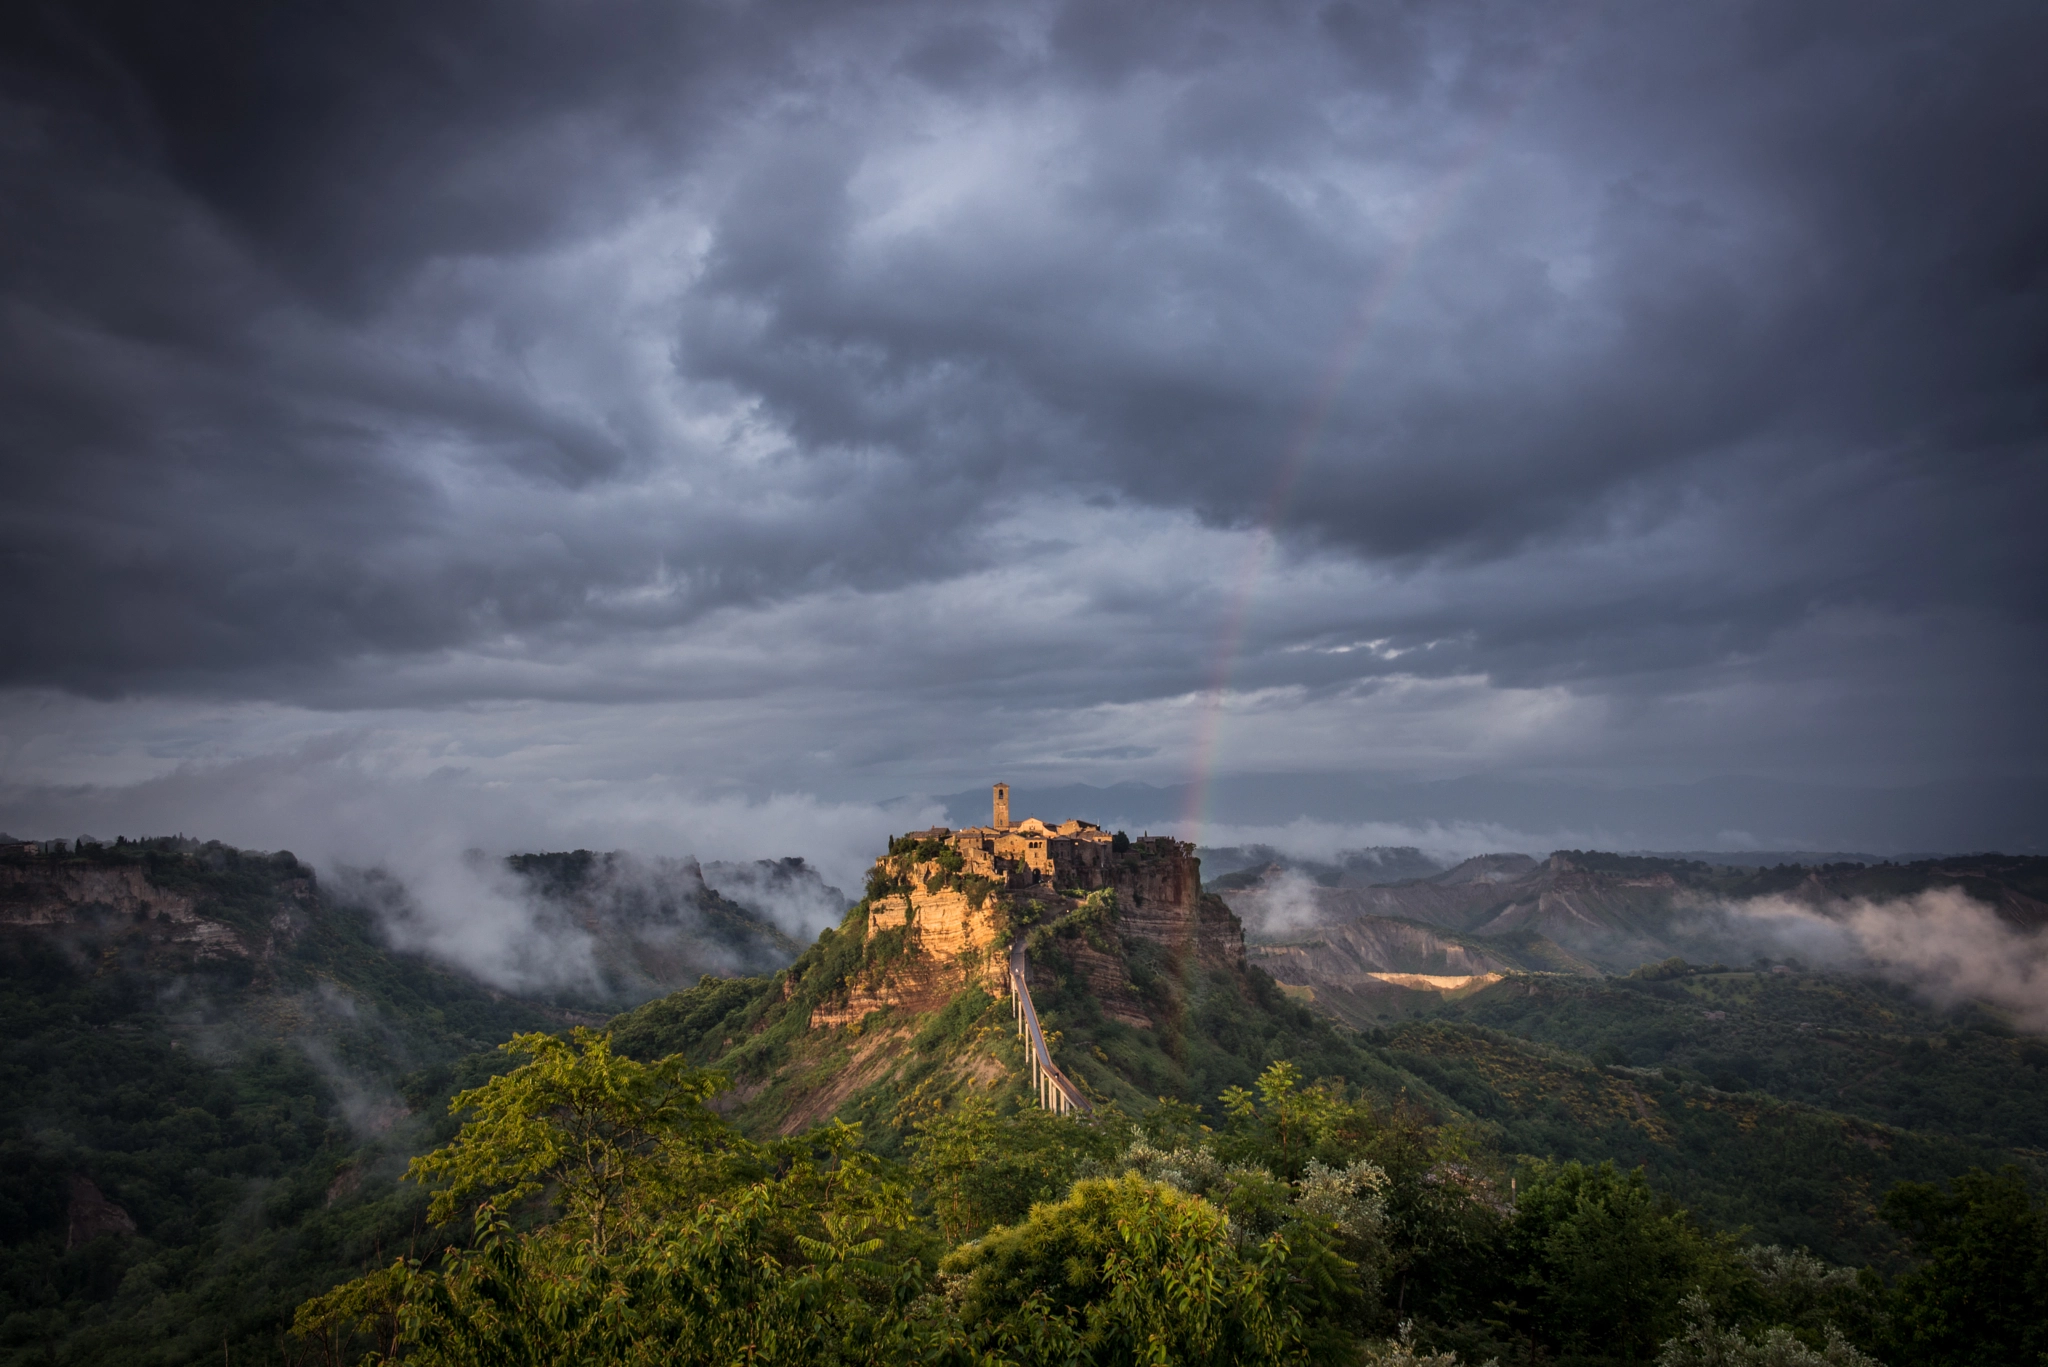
(215,1076)
(246,1102)
(1787,1112)
(1593,912)
(1875,1050)
(1215,1024)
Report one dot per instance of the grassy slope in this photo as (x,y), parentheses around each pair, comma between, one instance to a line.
(1864,1048)
(1217,1027)
(1829,1112)
(1786,1173)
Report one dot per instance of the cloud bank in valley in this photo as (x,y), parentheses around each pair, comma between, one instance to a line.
(1941,942)
(425,850)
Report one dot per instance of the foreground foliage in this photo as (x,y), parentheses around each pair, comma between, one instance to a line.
(256,1127)
(608,1215)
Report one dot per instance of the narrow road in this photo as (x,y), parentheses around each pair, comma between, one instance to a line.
(1056,1091)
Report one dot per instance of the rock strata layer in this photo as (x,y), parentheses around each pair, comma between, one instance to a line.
(958,901)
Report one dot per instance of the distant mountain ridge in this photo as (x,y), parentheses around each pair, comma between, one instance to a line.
(1738,812)
(1576,912)
(786,892)
(1240,865)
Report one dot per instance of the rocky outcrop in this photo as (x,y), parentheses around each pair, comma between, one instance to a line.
(956,927)
(914,984)
(943,924)
(119,900)
(947,944)
(1159,891)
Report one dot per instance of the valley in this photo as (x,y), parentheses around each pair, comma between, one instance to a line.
(218,1066)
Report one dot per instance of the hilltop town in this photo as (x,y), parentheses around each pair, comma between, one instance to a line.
(960,898)
(990,979)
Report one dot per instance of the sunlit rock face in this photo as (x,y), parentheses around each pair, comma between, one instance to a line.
(958,898)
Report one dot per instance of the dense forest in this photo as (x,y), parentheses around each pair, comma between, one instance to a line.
(239,1127)
(609,1215)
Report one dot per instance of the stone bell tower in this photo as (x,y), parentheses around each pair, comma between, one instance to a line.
(1002,821)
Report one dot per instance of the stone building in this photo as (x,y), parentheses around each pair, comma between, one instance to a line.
(960,931)
(1157,878)
(1029,853)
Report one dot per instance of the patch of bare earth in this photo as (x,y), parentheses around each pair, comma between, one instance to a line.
(872,1060)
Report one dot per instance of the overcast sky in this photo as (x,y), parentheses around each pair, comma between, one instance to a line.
(648,410)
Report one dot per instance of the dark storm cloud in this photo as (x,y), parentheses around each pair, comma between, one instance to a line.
(1615,343)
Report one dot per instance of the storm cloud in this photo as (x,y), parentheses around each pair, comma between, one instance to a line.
(855,400)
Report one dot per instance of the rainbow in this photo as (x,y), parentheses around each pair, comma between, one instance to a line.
(1434,210)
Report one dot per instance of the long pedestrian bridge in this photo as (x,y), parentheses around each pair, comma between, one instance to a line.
(1056,1091)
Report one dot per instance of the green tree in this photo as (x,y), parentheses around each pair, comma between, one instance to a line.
(604,1134)
(1285,1124)
(1441,1212)
(1792,1289)
(1142,1272)
(1977,1297)
(676,1240)
(1705,1343)
(1605,1264)
(983,1167)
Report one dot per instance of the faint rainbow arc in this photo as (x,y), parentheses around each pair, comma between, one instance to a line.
(1258,555)
(1344,358)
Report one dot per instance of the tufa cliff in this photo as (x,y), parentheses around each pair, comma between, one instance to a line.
(948,905)
(1139,979)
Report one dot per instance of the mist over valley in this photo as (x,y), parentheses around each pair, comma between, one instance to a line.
(1056,682)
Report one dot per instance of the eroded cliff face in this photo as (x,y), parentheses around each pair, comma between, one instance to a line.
(940,921)
(1139,982)
(938,940)
(121,904)
(1375,944)
(955,929)
(1160,896)
(1372,969)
